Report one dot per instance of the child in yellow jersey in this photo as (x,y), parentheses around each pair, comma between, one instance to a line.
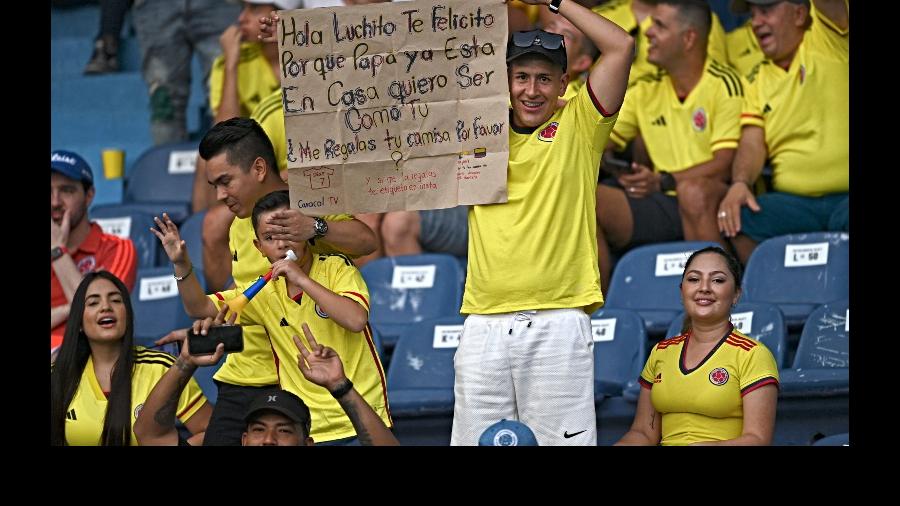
(327,293)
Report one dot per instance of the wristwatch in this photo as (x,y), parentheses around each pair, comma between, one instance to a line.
(57,252)
(554,6)
(321,227)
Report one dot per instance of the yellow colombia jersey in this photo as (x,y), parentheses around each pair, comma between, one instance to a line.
(805,112)
(680,135)
(256,80)
(282,317)
(620,13)
(270,116)
(706,403)
(743,49)
(255,366)
(86,413)
(539,249)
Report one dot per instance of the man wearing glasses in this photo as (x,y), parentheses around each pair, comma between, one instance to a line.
(526,351)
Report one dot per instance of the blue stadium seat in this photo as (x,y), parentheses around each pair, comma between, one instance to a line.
(409,289)
(799,272)
(822,363)
(761,321)
(124,220)
(646,280)
(420,378)
(164,177)
(157,305)
(620,350)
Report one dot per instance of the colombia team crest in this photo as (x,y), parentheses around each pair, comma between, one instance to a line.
(549,132)
(699,119)
(718,376)
(321,313)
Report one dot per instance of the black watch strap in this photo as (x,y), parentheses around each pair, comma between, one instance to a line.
(554,6)
(666,182)
(56,252)
(321,227)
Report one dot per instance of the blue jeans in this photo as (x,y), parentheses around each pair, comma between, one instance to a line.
(169,32)
(784,213)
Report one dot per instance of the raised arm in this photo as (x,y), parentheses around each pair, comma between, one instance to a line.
(196,304)
(351,237)
(322,365)
(609,77)
(837,11)
(155,425)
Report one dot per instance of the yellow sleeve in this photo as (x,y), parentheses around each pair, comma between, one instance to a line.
(649,372)
(757,368)
(346,280)
(626,127)
(592,123)
(751,114)
(726,126)
(216,81)
(825,36)
(322,247)
(191,400)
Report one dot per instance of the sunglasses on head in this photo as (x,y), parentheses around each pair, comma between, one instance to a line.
(549,41)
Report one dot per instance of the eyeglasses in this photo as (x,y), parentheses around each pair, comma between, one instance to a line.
(547,40)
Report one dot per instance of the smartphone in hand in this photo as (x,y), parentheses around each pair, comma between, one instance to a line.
(232,336)
(616,166)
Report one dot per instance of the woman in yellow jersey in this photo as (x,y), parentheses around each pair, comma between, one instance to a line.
(100,379)
(711,385)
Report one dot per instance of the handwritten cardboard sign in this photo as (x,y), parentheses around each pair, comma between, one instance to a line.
(395,106)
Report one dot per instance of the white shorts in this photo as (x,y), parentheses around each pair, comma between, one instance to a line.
(536,367)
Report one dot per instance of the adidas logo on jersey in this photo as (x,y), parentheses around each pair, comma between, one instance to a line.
(767,109)
(284,323)
(660,121)
(70,415)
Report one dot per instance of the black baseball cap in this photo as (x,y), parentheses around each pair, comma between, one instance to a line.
(551,45)
(280,401)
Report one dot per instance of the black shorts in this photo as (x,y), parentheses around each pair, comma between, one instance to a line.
(656,218)
(226,425)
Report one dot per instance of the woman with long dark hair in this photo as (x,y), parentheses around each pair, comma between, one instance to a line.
(711,385)
(100,379)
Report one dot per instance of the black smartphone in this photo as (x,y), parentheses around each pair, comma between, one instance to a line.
(616,166)
(232,336)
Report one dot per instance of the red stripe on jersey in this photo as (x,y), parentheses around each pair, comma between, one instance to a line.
(597,102)
(191,405)
(364,300)
(219,296)
(746,115)
(669,342)
(741,340)
(645,384)
(757,384)
(740,345)
(367,331)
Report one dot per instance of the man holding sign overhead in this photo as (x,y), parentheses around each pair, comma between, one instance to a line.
(526,351)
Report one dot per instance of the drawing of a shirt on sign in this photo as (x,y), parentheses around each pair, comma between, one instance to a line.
(319,177)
